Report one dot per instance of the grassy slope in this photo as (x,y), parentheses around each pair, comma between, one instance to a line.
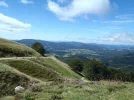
(102,90)
(41,68)
(59,67)
(9,79)
(10,48)
(32,69)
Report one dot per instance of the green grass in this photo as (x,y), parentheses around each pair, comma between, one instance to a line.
(9,80)
(32,69)
(10,49)
(69,90)
(86,91)
(61,68)
(7,98)
(4,67)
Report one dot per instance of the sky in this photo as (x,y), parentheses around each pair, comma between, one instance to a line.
(88,21)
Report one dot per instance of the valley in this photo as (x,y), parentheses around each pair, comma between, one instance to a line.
(65,51)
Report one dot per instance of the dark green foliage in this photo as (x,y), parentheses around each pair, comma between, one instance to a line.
(33,69)
(97,70)
(94,70)
(8,82)
(39,48)
(76,64)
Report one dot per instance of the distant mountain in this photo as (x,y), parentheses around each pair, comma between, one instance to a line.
(73,45)
(100,49)
(60,45)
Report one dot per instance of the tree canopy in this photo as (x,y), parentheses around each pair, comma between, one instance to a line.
(97,70)
(39,48)
(76,64)
(94,70)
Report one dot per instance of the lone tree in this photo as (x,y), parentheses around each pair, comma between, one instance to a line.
(39,48)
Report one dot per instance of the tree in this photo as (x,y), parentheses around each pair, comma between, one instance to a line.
(95,70)
(39,48)
(76,64)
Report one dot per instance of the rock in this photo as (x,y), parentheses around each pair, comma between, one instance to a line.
(19,89)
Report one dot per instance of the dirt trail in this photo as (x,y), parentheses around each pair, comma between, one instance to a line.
(20,58)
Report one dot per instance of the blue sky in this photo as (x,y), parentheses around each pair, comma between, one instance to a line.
(99,21)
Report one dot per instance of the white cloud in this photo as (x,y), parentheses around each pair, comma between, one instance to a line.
(78,8)
(27,2)
(12,25)
(119,38)
(3,3)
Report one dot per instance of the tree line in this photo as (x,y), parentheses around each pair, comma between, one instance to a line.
(97,70)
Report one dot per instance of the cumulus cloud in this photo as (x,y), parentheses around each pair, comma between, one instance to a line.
(119,38)
(12,25)
(3,3)
(27,2)
(79,8)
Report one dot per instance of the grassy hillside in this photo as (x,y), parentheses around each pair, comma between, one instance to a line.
(32,69)
(10,48)
(9,79)
(13,72)
(102,90)
(59,67)
(42,68)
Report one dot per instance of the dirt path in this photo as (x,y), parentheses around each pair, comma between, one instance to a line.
(20,58)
